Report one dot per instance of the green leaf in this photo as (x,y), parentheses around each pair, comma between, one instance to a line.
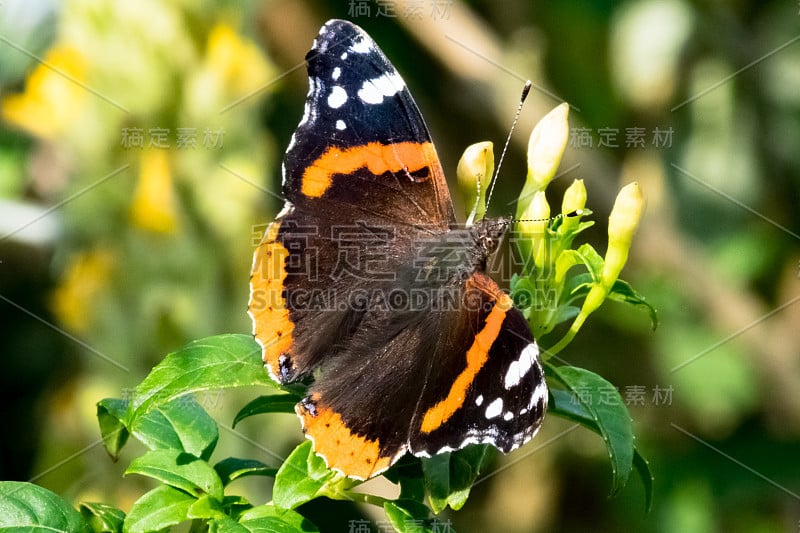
(102,518)
(268,519)
(180,470)
(565,261)
(224,361)
(523,291)
(563,403)
(436,470)
(622,291)
(30,508)
(449,476)
(234,468)
(407,472)
(592,260)
(578,286)
(643,469)
(160,508)
(111,418)
(465,467)
(206,508)
(300,477)
(565,313)
(409,516)
(274,403)
(181,424)
(235,505)
(226,524)
(601,402)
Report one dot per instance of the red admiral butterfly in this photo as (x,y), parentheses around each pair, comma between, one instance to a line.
(366,283)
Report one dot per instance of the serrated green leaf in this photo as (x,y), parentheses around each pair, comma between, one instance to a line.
(25,507)
(158,509)
(603,404)
(268,519)
(274,403)
(180,470)
(111,414)
(408,516)
(300,477)
(221,362)
(622,291)
(102,518)
(563,403)
(234,468)
(181,424)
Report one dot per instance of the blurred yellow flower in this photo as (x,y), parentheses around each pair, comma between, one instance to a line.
(239,62)
(154,204)
(53,96)
(85,278)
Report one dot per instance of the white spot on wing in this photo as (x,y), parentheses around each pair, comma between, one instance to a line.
(375,90)
(292,141)
(361,46)
(340,125)
(336,73)
(494,409)
(343,56)
(519,368)
(308,114)
(540,392)
(337,98)
(508,415)
(479,400)
(287,208)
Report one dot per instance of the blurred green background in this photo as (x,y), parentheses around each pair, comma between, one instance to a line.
(140,149)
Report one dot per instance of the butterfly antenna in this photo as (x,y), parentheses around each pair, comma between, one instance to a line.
(525,91)
(571,214)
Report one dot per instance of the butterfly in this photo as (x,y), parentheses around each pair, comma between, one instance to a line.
(367,287)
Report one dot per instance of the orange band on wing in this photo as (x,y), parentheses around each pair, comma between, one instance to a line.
(375,157)
(477,355)
(353,455)
(271,325)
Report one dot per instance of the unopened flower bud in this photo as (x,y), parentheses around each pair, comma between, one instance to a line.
(622,225)
(532,226)
(474,171)
(574,198)
(545,148)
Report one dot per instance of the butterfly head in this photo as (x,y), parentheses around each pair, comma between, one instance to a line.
(488,232)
